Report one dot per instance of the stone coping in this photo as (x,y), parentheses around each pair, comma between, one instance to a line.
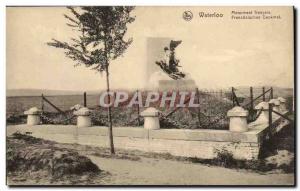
(33,111)
(237,112)
(150,112)
(281,99)
(262,105)
(276,102)
(82,112)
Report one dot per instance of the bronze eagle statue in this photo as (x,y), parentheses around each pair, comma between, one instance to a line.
(170,64)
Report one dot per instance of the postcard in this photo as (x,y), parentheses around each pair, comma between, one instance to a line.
(152,96)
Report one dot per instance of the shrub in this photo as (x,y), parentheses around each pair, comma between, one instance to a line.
(26,153)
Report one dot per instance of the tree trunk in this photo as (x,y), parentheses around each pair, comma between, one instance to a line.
(110,132)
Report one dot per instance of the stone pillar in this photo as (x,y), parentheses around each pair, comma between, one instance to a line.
(238,119)
(282,106)
(264,116)
(83,117)
(276,104)
(151,120)
(33,116)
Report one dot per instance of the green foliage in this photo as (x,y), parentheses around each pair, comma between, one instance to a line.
(100,35)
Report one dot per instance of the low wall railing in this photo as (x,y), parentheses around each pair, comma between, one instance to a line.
(265,112)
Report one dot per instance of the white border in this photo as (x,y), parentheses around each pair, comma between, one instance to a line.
(5,3)
(152,2)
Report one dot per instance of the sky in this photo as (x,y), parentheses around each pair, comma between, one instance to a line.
(216,52)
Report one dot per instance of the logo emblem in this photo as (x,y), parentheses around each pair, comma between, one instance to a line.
(187,15)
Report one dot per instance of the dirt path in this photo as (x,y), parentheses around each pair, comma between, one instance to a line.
(132,167)
(149,171)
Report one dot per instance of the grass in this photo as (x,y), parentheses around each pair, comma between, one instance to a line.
(33,159)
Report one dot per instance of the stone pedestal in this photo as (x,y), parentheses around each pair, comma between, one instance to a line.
(33,116)
(264,116)
(83,117)
(181,84)
(151,120)
(282,106)
(276,104)
(238,119)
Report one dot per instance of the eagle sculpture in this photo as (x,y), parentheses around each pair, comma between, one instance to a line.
(170,64)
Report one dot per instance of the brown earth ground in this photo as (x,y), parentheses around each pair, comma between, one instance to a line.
(150,171)
(139,168)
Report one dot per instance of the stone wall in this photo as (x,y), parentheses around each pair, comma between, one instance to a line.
(200,143)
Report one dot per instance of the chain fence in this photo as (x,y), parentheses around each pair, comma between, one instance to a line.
(211,114)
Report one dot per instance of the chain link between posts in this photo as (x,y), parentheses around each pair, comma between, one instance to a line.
(258,114)
(53,121)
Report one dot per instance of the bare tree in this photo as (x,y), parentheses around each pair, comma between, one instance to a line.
(98,39)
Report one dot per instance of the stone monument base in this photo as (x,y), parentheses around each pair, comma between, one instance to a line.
(181,84)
